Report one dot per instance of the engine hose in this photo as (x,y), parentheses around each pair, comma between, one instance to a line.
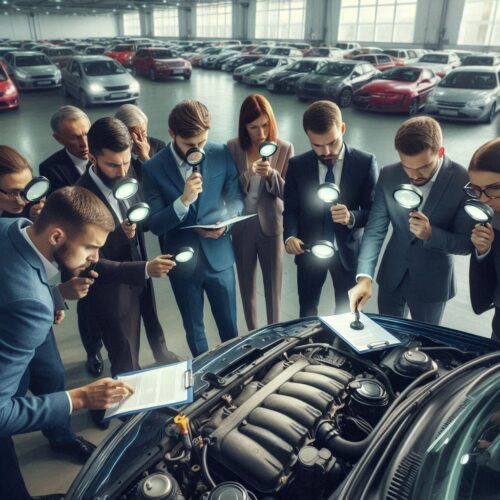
(204,466)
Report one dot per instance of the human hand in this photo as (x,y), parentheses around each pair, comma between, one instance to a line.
(360,294)
(160,266)
(76,288)
(100,395)
(340,214)
(192,188)
(59,317)
(213,234)
(294,246)
(482,237)
(420,226)
(262,168)
(129,229)
(36,209)
(142,147)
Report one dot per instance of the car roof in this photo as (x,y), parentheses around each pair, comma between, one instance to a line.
(476,69)
(348,61)
(436,53)
(87,58)
(28,53)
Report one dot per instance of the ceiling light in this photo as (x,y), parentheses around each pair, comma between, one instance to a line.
(5,2)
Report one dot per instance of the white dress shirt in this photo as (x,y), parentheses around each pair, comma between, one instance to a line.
(81,165)
(186,170)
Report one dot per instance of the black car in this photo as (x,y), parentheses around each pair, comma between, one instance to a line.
(293,412)
(285,80)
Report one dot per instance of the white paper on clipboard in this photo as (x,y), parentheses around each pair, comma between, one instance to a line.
(224,223)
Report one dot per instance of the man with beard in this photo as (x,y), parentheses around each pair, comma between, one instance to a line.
(307,219)
(71,228)
(115,308)
(416,272)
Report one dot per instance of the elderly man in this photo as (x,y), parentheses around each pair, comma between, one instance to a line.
(144,147)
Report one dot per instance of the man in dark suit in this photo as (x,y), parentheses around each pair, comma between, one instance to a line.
(180,197)
(307,219)
(416,272)
(69,232)
(70,127)
(116,309)
(144,147)
(484,271)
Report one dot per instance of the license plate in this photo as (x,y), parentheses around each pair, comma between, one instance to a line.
(270,86)
(43,83)
(119,95)
(449,112)
(178,71)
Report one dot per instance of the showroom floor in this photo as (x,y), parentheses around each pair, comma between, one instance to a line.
(28,130)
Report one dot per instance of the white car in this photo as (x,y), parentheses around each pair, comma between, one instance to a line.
(439,62)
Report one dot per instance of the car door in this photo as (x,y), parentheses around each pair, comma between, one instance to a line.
(357,77)
(74,76)
(139,62)
(384,62)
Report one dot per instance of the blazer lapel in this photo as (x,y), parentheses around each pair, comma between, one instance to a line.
(171,169)
(347,173)
(91,186)
(438,189)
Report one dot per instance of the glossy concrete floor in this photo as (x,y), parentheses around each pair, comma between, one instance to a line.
(28,130)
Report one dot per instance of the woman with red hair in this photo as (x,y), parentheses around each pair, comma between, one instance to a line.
(262,181)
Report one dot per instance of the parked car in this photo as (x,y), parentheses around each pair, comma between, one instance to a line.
(285,79)
(94,50)
(239,60)
(329,52)
(471,93)
(264,68)
(382,62)
(9,96)
(210,61)
(336,80)
(241,70)
(440,62)
(4,50)
(362,51)
(79,48)
(263,50)
(99,80)
(59,55)
(160,63)
(223,57)
(303,47)
(291,411)
(347,45)
(482,60)
(403,56)
(462,54)
(32,70)
(123,53)
(398,90)
(285,51)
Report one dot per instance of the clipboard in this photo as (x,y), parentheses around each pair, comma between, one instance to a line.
(371,338)
(156,387)
(227,222)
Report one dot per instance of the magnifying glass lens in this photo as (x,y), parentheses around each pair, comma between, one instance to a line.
(138,213)
(323,250)
(125,188)
(328,193)
(479,211)
(408,196)
(476,213)
(184,254)
(195,157)
(267,149)
(37,189)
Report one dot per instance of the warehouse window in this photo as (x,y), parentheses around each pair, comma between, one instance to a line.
(280,19)
(166,22)
(377,20)
(480,23)
(214,20)
(131,24)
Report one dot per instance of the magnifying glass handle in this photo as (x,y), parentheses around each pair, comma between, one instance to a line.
(264,158)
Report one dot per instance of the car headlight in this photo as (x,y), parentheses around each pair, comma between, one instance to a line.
(478,103)
(431,97)
(57,75)
(134,86)
(21,74)
(10,91)
(96,87)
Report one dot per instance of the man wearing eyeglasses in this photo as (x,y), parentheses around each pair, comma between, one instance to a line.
(484,271)
(416,271)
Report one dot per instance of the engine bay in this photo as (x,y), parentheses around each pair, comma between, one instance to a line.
(293,428)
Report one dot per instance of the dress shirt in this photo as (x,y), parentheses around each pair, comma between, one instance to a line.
(81,165)
(253,191)
(186,170)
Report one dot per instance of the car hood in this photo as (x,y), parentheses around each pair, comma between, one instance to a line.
(38,70)
(323,79)
(388,86)
(244,68)
(433,66)
(111,80)
(460,95)
(287,75)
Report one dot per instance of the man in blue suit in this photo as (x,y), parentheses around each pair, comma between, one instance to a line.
(307,219)
(180,196)
(67,235)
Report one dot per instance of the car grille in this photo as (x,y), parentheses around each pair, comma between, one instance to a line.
(118,87)
(313,86)
(449,104)
(46,77)
(176,64)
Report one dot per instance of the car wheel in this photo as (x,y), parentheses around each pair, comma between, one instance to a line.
(187,77)
(493,112)
(345,98)
(84,100)
(413,109)
(152,74)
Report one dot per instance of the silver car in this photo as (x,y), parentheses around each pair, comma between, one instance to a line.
(264,68)
(470,93)
(32,70)
(99,80)
(439,62)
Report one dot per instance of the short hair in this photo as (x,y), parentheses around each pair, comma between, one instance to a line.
(252,107)
(321,116)
(487,157)
(12,162)
(131,115)
(66,113)
(108,133)
(74,207)
(418,134)
(189,118)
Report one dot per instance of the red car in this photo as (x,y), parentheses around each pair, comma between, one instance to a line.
(382,62)
(123,53)
(398,90)
(157,62)
(9,97)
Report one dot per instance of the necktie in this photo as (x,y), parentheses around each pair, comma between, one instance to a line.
(135,248)
(328,231)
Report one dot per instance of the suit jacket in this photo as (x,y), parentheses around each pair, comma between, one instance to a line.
(156,145)
(429,263)
(106,296)
(271,189)
(60,170)
(27,312)
(221,199)
(304,211)
(484,278)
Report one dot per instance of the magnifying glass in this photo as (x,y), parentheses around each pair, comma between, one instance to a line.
(329,193)
(36,189)
(267,149)
(479,211)
(185,254)
(195,157)
(125,188)
(322,249)
(408,196)
(138,212)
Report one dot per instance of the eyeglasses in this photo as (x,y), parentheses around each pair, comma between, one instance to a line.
(14,195)
(492,192)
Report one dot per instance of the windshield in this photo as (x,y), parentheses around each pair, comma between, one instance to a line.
(335,69)
(102,68)
(123,48)
(161,54)
(478,61)
(267,62)
(467,80)
(342,46)
(393,53)
(95,50)
(463,462)
(38,60)
(319,52)
(401,74)
(281,51)
(60,52)
(303,66)
(434,58)
(261,50)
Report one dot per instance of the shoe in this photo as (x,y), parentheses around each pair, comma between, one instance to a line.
(95,364)
(97,417)
(165,357)
(79,448)
(54,496)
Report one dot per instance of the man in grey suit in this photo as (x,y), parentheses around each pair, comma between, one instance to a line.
(416,272)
